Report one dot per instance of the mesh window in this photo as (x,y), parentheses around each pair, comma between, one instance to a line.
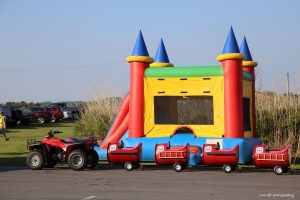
(246,108)
(184,110)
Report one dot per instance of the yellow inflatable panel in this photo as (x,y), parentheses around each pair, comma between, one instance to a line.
(247,88)
(184,87)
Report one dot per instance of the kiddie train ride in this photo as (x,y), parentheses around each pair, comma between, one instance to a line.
(178,115)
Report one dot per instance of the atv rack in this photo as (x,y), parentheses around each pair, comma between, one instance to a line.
(31,142)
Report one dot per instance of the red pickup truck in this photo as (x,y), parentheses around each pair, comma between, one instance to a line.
(38,114)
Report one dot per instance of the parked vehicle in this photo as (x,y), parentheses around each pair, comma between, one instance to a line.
(13,115)
(38,114)
(56,111)
(26,118)
(49,151)
(68,114)
(69,110)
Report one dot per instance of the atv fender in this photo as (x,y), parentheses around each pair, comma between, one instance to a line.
(42,148)
(73,146)
(33,147)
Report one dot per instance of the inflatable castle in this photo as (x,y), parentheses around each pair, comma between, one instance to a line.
(178,105)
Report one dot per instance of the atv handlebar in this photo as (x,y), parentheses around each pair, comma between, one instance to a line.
(51,133)
(57,132)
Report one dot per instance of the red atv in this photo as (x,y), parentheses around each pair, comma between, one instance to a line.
(46,153)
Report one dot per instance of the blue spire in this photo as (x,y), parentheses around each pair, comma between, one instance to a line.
(245,50)
(161,53)
(140,48)
(231,45)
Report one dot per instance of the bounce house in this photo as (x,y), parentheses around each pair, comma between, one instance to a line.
(179,105)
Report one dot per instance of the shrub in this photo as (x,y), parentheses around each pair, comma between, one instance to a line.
(97,116)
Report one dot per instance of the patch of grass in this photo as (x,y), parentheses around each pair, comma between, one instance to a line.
(15,150)
(278,119)
(98,116)
(296,166)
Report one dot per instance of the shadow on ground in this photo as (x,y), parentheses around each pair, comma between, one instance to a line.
(108,167)
(13,161)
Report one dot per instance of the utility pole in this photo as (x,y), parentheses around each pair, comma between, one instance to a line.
(288,83)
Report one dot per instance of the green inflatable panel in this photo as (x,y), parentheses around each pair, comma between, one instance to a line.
(196,71)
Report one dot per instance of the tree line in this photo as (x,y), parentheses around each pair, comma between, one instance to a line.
(21,104)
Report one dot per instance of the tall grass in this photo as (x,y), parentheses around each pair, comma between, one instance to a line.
(278,118)
(97,116)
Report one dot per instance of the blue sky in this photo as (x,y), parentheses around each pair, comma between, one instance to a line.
(67,50)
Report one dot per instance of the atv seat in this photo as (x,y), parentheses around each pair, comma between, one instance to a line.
(69,143)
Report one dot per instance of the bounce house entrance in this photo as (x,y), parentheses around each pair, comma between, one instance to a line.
(183,130)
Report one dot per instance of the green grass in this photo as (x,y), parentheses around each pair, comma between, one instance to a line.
(14,151)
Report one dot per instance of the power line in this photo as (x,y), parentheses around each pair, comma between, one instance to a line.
(62,68)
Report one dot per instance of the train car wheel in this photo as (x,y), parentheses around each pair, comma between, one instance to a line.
(128,166)
(227,168)
(278,170)
(177,167)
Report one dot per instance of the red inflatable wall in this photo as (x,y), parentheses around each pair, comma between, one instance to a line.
(136,104)
(233,99)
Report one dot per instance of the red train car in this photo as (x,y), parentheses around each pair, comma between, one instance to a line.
(214,156)
(117,154)
(280,160)
(178,156)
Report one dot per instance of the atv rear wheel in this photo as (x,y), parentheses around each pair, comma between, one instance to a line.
(35,160)
(77,159)
(93,159)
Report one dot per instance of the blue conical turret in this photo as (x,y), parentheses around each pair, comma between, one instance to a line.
(161,53)
(231,45)
(161,57)
(140,48)
(245,50)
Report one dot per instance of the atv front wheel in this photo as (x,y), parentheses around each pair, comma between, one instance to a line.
(35,160)
(77,159)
